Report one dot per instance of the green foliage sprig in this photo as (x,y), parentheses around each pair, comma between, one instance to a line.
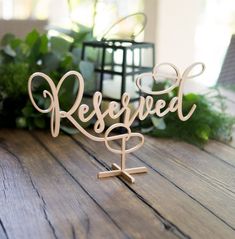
(209,121)
(19,58)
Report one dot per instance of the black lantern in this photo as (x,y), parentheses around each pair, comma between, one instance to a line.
(117,63)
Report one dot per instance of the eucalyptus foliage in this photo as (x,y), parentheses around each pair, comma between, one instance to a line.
(19,58)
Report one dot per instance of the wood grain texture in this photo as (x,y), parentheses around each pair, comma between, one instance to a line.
(166,196)
(49,204)
(49,189)
(21,208)
(123,206)
(206,179)
(78,206)
(222,151)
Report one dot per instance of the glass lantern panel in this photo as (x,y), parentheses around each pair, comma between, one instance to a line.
(147,56)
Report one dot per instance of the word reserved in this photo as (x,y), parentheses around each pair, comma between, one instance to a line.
(146,106)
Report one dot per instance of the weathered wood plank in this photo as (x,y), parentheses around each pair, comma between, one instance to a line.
(198,162)
(21,210)
(133,216)
(68,211)
(208,180)
(166,196)
(221,151)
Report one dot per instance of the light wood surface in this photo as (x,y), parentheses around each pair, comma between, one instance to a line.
(49,189)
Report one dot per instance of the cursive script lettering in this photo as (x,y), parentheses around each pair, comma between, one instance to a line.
(146,106)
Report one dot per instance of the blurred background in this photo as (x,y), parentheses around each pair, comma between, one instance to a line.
(184,31)
(56,36)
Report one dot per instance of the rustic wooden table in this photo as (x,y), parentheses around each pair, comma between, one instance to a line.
(49,189)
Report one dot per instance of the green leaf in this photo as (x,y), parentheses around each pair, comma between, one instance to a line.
(59,45)
(1,59)
(158,123)
(7,38)
(83,28)
(191,97)
(50,62)
(27,110)
(21,122)
(203,132)
(76,53)
(32,37)
(62,30)
(67,61)
(14,77)
(40,122)
(9,51)
(15,43)
(67,93)
(43,44)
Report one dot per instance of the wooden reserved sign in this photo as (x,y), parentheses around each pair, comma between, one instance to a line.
(146,106)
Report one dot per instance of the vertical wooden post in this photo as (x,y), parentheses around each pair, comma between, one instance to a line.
(123,155)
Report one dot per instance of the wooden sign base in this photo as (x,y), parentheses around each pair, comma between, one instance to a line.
(125,173)
(117,170)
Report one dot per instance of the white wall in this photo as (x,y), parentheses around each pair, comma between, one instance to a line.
(172,26)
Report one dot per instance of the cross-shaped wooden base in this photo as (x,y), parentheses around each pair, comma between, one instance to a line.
(125,173)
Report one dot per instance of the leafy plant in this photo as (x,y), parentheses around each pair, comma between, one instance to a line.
(209,121)
(19,58)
